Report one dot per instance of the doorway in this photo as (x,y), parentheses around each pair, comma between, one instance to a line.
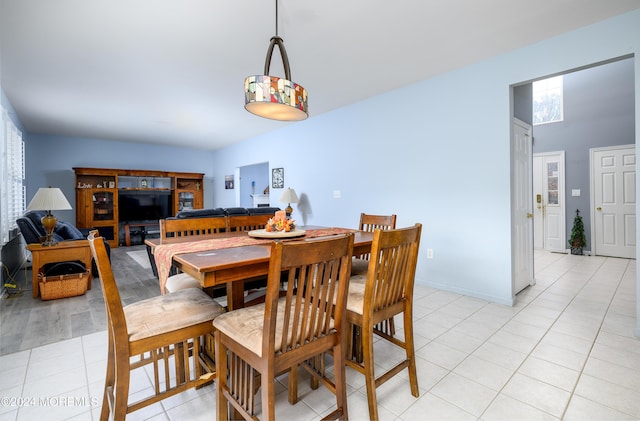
(252,180)
(591,94)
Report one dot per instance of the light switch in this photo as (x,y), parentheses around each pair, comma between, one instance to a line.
(575,192)
(337,194)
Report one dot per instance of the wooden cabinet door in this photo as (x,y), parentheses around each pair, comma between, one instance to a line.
(83,208)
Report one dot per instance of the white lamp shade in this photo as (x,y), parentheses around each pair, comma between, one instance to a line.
(289,196)
(49,198)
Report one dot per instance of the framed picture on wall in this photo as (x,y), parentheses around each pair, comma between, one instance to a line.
(228,182)
(277,178)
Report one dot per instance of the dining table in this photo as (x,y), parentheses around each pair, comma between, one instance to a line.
(231,258)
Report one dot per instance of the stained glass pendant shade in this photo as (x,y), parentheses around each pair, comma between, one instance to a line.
(274,97)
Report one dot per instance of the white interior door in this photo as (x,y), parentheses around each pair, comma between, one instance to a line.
(522,206)
(614,201)
(549,201)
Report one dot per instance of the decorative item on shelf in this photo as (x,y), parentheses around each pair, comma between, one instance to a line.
(289,196)
(143,183)
(49,199)
(273,97)
(577,241)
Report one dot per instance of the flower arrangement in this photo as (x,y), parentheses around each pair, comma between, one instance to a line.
(280,223)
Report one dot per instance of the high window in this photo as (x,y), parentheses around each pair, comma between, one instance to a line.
(547,101)
(12,190)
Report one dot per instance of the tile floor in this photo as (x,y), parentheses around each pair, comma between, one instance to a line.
(565,351)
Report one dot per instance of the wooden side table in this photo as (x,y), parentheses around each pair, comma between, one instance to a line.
(64,251)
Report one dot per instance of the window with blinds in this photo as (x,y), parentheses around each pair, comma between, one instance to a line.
(13,192)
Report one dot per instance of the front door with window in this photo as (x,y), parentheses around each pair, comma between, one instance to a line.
(548,199)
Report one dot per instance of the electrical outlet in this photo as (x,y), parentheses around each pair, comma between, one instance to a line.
(337,194)
(429,253)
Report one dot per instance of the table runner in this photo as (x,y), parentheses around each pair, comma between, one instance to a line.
(164,253)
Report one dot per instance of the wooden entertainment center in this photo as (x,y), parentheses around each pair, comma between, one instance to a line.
(98,195)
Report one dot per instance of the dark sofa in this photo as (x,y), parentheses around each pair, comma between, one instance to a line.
(222,212)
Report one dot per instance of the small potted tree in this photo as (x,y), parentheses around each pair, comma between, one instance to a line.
(577,241)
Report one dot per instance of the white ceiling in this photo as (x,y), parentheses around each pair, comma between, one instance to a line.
(172,72)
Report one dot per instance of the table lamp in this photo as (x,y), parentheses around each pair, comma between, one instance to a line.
(289,196)
(49,199)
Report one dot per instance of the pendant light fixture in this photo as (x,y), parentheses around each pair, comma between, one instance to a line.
(273,97)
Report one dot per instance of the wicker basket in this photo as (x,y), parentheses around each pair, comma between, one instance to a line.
(63,286)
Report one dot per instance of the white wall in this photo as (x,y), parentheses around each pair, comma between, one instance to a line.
(436,152)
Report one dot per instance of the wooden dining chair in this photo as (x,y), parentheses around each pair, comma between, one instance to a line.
(266,340)
(166,331)
(190,227)
(384,292)
(369,223)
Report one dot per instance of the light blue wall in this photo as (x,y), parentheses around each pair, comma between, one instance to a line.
(50,160)
(436,152)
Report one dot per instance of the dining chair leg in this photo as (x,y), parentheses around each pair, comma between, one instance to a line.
(108,382)
(317,363)
(268,394)
(121,392)
(222,406)
(293,385)
(340,378)
(411,354)
(369,372)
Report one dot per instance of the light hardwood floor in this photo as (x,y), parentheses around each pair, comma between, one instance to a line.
(26,322)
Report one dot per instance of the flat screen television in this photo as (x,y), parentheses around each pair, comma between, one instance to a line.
(144,205)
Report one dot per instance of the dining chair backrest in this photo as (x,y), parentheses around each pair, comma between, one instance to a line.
(318,276)
(391,273)
(173,227)
(247,222)
(370,222)
(115,314)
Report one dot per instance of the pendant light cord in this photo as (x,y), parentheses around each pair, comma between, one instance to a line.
(276,17)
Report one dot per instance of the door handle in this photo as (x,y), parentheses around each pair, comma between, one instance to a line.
(529,215)
(598,208)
